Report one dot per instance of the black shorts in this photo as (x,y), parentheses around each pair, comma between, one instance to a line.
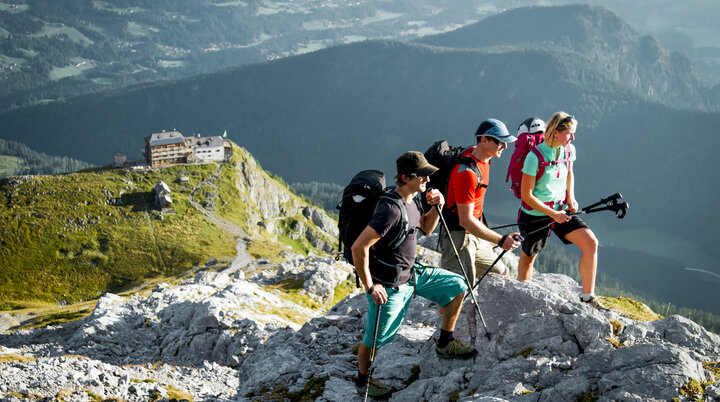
(536,230)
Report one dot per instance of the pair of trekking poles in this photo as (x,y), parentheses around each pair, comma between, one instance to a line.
(613,203)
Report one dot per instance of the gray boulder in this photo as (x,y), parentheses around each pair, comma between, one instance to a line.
(544,345)
(224,337)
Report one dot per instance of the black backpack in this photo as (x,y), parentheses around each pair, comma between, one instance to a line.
(357,206)
(445,157)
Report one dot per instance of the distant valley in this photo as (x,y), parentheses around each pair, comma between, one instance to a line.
(54,50)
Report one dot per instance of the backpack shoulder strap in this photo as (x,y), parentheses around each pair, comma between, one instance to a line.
(404,221)
(567,155)
(541,162)
(472,165)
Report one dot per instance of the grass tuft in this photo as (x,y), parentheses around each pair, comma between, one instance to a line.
(313,389)
(586,397)
(93,396)
(713,368)
(175,394)
(692,389)
(343,290)
(631,308)
(12,357)
(59,318)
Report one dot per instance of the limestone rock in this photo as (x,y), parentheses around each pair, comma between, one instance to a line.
(268,202)
(222,337)
(321,220)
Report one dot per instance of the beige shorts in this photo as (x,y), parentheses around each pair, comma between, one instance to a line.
(476,255)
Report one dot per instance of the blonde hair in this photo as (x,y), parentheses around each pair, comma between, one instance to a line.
(560,121)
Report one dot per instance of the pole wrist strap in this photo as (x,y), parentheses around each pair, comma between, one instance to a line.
(502,240)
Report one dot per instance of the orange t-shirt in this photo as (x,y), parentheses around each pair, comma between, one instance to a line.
(462,185)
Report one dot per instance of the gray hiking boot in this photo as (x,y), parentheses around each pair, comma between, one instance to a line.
(595,303)
(455,349)
(375,390)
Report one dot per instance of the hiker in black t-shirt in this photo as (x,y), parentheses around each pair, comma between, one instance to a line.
(391,275)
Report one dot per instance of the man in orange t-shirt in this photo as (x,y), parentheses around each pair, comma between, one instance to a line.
(465,198)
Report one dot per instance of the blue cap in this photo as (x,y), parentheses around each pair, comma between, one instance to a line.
(494,128)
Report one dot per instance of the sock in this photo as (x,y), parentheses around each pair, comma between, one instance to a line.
(361,379)
(445,338)
(587,296)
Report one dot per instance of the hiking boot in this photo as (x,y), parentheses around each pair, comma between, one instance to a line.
(595,303)
(455,349)
(375,390)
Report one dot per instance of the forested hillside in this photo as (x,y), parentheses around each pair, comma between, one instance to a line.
(56,49)
(18,159)
(327,195)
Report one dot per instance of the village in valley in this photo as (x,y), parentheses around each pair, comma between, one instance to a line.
(169,148)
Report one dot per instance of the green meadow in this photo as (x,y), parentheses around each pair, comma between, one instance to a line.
(69,238)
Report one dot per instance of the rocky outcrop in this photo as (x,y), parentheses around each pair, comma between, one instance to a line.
(544,345)
(133,348)
(273,206)
(236,340)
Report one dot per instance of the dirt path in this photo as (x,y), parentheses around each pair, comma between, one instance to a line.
(242,258)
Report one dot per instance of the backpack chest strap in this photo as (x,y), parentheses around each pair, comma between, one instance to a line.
(542,163)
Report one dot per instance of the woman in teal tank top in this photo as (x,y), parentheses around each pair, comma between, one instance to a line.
(552,196)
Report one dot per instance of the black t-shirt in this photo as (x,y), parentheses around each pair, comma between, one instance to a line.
(387,222)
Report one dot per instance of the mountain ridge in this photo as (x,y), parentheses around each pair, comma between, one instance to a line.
(636,61)
(245,85)
(317,119)
(53,52)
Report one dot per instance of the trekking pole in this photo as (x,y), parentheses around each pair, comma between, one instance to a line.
(516,237)
(613,203)
(618,206)
(467,278)
(372,352)
(504,226)
(613,197)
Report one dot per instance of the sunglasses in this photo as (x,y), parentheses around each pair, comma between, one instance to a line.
(568,119)
(496,141)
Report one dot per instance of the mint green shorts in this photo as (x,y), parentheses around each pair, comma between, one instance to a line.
(435,284)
